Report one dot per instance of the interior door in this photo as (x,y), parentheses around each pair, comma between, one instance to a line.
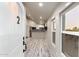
(11,30)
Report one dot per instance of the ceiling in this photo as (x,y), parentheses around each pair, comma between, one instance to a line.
(34,11)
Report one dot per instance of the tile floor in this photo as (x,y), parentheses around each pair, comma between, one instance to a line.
(37,47)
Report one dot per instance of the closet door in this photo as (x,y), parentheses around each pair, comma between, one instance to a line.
(11,30)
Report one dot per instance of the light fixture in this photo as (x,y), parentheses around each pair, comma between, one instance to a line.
(40,4)
(40,17)
(53,17)
(67,4)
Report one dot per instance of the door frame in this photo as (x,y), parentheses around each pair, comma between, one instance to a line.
(23,17)
(24,13)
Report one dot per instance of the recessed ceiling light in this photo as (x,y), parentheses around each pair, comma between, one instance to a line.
(40,17)
(53,17)
(40,4)
(67,4)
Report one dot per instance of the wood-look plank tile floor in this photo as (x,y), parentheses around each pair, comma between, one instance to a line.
(37,48)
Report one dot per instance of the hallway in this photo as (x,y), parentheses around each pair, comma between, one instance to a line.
(39,29)
(37,47)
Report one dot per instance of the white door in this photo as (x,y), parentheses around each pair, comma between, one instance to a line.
(11,33)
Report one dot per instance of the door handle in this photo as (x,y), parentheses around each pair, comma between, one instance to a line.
(25,45)
(25,48)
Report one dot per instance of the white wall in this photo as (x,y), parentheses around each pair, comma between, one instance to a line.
(32,23)
(27,25)
(56,50)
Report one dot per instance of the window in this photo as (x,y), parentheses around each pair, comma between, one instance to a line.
(53,30)
(72,20)
(70,32)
